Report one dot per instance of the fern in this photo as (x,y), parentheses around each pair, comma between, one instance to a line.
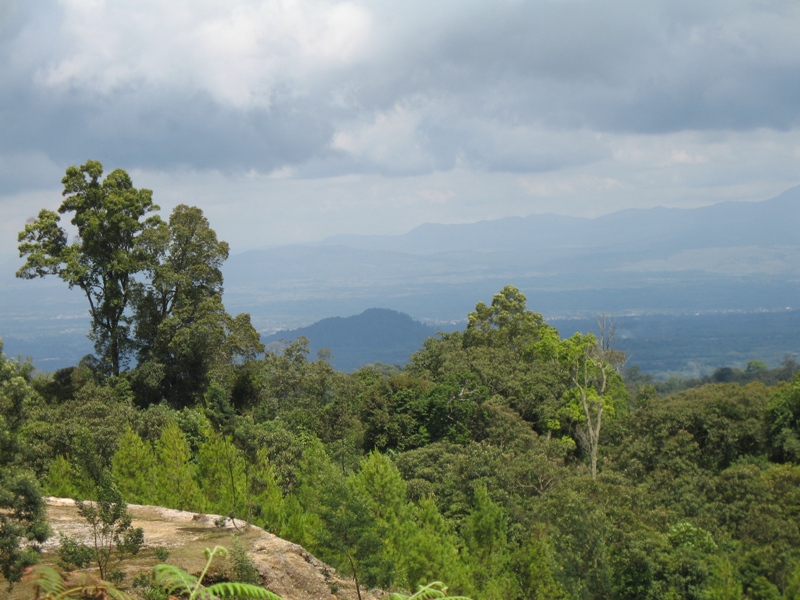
(51,585)
(435,589)
(179,583)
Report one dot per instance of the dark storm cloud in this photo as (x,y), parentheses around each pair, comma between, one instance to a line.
(486,85)
(616,66)
(142,129)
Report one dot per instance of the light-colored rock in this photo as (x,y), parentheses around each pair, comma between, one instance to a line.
(286,569)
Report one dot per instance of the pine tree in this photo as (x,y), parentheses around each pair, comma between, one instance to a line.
(381,488)
(533,565)
(134,469)
(222,476)
(267,506)
(175,475)
(428,551)
(485,533)
(64,481)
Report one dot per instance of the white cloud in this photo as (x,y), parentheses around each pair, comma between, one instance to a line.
(239,53)
(391,141)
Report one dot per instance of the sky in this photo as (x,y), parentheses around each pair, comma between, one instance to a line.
(290,121)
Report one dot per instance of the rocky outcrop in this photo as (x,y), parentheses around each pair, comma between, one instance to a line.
(286,569)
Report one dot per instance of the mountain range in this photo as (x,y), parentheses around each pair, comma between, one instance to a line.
(729,256)
(732,256)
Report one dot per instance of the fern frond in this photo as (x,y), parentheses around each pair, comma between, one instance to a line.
(173,579)
(178,582)
(47,580)
(435,589)
(52,586)
(231,589)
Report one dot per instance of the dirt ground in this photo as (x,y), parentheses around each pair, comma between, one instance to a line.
(285,568)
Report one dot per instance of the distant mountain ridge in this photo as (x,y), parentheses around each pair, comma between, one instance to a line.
(731,256)
(728,256)
(375,335)
(770,222)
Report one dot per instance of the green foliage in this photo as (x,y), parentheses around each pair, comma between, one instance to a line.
(596,392)
(404,413)
(113,536)
(180,583)
(84,429)
(435,589)
(223,476)
(707,428)
(427,547)
(266,503)
(485,535)
(22,509)
(167,273)
(783,423)
(162,554)
(103,261)
(72,554)
(50,585)
(218,408)
(133,467)
(534,567)
(512,356)
(506,322)
(470,466)
(64,480)
(22,518)
(175,482)
(351,537)
(182,329)
(243,569)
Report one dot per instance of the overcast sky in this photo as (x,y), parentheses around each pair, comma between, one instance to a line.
(289,121)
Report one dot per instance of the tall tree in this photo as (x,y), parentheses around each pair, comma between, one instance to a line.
(222,476)
(508,351)
(104,258)
(506,322)
(597,389)
(182,329)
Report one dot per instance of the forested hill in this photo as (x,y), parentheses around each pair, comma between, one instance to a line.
(377,335)
(506,459)
(503,460)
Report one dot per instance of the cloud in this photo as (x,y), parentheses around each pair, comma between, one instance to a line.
(391,142)
(365,87)
(239,54)
(303,118)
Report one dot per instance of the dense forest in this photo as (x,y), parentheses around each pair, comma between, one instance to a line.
(502,459)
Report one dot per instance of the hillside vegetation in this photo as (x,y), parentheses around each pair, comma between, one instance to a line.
(503,459)
(474,465)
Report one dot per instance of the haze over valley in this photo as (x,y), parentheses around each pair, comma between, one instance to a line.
(718,263)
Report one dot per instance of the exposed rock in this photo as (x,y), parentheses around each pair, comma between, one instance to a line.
(286,569)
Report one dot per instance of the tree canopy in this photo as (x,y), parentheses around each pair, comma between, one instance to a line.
(105,257)
(154,287)
(503,459)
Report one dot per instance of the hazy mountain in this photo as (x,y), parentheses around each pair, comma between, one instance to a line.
(769,223)
(732,255)
(376,335)
(742,256)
